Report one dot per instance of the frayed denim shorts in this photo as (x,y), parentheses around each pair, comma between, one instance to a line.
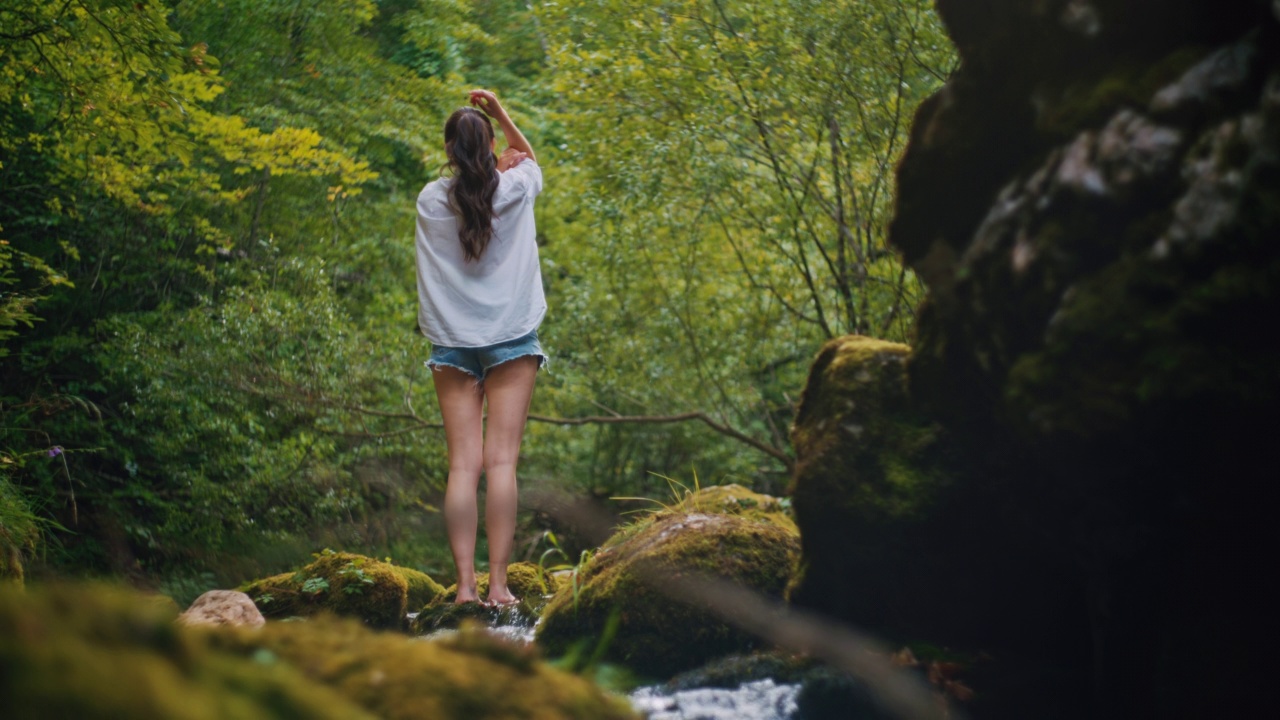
(478,361)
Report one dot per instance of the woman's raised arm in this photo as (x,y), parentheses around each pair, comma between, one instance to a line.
(488,102)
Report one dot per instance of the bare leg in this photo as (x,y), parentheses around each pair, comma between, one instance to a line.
(461,404)
(509,388)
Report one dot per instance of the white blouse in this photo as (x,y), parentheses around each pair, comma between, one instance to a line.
(487,301)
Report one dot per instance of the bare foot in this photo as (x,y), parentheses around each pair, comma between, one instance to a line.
(467,595)
(502,599)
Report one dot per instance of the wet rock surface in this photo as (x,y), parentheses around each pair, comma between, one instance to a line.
(1093,201)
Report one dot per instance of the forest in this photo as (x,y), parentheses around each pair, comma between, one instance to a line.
(909,358)
(210,351)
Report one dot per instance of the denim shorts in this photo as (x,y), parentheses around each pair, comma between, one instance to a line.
(478,361)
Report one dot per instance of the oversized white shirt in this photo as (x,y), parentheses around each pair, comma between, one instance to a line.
(487,301)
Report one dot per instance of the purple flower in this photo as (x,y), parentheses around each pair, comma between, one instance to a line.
(55,451)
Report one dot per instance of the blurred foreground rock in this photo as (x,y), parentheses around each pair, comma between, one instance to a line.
(1093,201)
(84,651)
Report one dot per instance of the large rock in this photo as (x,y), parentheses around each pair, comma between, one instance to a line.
(657,634)
(223,607)
(879,505)
(90,652)
(345,584)
(1093,201)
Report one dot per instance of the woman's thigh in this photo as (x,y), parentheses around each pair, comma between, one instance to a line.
(509,389)
(462,406)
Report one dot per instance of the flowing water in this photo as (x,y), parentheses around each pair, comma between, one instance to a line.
(757,700)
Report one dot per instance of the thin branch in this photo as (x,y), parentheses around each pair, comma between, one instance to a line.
(699,416)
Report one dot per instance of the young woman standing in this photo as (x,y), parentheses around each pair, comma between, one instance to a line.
(480,303)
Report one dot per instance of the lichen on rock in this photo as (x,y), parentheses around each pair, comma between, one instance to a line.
(344,584)
(657,634)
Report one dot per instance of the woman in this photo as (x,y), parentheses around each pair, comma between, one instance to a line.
(480,303)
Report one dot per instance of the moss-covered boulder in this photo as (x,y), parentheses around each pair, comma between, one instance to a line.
(344,584)
(420,588)
(734,499)
(1093,201)
(472,674)
(875,498)
(656,633)
(83,651)
(88,651)
(527,581)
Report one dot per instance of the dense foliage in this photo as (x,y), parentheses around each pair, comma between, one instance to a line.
(206,274)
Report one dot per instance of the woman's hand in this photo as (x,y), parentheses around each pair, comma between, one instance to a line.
(510,158)
(488,102)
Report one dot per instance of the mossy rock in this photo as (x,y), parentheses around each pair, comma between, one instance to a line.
(344,584)
(656,634)
(472,674)
(735,499)
(867,474)
(1093,203)
(526,581)
(88,651)
(732,499)
(420,588)
(91,651)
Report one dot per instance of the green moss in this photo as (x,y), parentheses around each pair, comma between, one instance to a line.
(658,634)
(1090,101)
(737,500)
(420,587)
(100,652)
(869,467)
(863,453)
(88,651)
(344,584)
(472,675)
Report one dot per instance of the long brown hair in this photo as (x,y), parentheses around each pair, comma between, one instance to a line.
(468,141)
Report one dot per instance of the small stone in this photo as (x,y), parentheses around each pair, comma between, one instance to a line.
(223,607)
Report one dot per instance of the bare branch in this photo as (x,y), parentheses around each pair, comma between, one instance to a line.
(723,429)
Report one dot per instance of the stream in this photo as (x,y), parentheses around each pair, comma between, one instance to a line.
(756,700)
